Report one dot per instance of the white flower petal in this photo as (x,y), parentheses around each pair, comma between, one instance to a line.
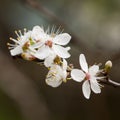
(86,89)
(27,35)
(77,75)
(64,75)
(25,38)
(37,29)
(37,45)
(43,52)
(38,33)
(61,51)
(16,51)
(54,78)
(94,86)
(53,83)
(64,64)
(93,70)
(49,60)
(83,63)
(62,39)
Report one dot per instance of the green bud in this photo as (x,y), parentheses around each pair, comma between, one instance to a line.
(108,66)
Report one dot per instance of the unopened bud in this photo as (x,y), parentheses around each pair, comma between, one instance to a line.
(108,66)
(27,56)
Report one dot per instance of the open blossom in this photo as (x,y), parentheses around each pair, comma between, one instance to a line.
(52,43)
(25,44)
(51,58)
(89,75)
(57,74)
(40,44)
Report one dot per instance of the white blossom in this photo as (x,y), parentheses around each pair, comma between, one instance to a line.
(52,43)
(89,75)
(25,44)
(49,60)
(57,74)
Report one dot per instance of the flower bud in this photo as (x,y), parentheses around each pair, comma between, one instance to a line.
(27,56)
(108,66)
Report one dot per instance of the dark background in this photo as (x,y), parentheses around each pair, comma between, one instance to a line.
(95,29)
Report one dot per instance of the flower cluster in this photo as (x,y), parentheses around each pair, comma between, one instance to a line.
(40,44)
(49,47)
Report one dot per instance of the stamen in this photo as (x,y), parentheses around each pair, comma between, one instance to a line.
(11,45)
(61,31)
(17,33)
(20,32)
(49,68)
(11,48)
(53,29)
(101,86)
(25,30)
(48,30)
(14,40)
(58,30)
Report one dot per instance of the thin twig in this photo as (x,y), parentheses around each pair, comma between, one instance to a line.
(110,82)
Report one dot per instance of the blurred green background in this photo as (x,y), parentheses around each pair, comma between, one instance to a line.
(95,27)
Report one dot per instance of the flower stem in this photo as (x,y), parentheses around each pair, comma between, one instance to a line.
(110,82)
